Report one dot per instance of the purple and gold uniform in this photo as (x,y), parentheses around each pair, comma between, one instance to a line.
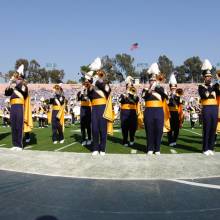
(154,117)
(85,115)
(98,95)
(17,100)
(128,116)
(57,102)
(207,93)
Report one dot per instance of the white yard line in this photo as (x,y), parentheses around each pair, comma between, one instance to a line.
(173,151)
(192,132)
(2,145)
(133,151)
(211,186)
(65,146)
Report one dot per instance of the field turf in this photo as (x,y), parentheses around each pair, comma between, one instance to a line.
(189,141)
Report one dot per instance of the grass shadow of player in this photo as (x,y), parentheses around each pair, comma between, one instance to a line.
(140,137)
(136,146)
(191,137)
(188,148)
(182,147)
(4,135)
(191,140)
(78,138)
(33,140)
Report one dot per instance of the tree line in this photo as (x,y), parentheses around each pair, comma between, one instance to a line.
(117,68)
(122,65)
(34,73)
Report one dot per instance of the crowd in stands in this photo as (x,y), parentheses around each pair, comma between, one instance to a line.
(70,90)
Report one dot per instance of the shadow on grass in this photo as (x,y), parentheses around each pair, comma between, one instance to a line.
(191,140)
(136,146)
(182,147)
(77,138)
(33,140)
(4,135)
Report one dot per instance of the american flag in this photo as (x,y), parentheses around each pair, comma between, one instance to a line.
(134,46)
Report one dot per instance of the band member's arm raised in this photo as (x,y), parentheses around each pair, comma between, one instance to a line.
(216,88)
(121,98)
(132,98)
(23,89)
(104,87)
(79,95)
(205,92)
(61,100)
(161,91)
(145,93)
(8,91)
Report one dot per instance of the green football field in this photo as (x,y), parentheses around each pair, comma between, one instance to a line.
(190,141)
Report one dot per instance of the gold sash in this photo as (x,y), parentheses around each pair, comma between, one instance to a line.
(173,108)
(153,104)
(140,116)
(61,114)
(28,121)
(85,103)
(218,125)
(56,107)
(209,102)
(128,106)
(166,126)
(17,101)
(99,101)
(109,115)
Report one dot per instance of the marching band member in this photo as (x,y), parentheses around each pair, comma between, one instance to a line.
(20,114)
(128,116)
(176,111)
(6,113)
(192,113)
(41,113)
(99,94)
(207,94)
(58,108)
(85,112)
(154,112)
(217,89)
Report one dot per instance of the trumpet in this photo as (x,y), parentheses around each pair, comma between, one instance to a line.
(160,77)
(132,90)
(218,74)
(179,92)
(100,73)
(87,84)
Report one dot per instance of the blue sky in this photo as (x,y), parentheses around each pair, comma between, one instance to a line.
(73,33)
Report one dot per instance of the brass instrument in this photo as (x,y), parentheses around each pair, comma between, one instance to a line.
(218,74)
(57,87)
(132,90)
(179,92)
(87,84)
(160,77)
(100,73)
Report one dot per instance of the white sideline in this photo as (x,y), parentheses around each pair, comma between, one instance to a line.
(211,186)
(65,146)
(2,145)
